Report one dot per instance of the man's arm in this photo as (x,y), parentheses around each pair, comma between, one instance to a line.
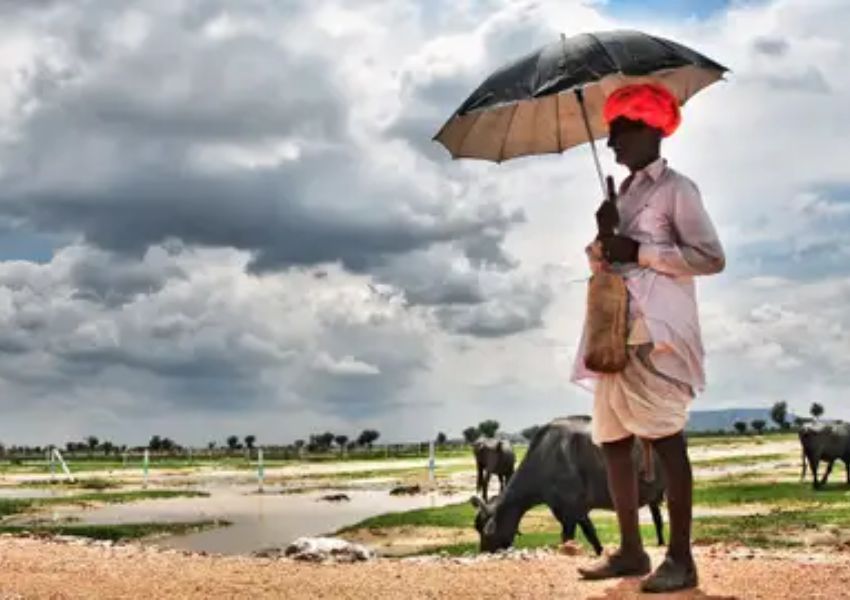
(697,251)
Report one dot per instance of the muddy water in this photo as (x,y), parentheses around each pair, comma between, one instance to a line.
(259,520)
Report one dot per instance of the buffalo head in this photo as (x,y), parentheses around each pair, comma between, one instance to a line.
(492,536)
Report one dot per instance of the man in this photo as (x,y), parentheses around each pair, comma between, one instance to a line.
(665,238)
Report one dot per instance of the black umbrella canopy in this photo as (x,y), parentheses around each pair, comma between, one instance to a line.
(523,109)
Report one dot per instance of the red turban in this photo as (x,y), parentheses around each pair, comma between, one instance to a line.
(648,102)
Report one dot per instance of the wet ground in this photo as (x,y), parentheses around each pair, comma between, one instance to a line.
(259,521)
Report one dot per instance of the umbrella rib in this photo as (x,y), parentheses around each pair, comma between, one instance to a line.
(607,52)
(468,131)
(508,131)
(558,120)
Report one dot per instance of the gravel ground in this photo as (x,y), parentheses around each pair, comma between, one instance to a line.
(33,568)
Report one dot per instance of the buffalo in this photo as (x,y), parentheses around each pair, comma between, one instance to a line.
(828,441)
(492,457)
(565,470)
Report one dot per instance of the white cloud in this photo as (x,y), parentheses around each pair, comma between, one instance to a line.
(426,294)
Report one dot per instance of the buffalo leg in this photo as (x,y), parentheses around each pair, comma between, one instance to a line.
(568,529)
(485,484)
(658,520)
(814,464)
(847,466)
(589,532)
(828,471)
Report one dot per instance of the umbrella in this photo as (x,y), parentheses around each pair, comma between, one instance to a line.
(552,99)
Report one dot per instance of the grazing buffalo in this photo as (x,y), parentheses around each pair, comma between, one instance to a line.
(493,457)
(829,441)
(565,470)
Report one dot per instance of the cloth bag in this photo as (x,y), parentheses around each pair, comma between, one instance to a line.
(606,323)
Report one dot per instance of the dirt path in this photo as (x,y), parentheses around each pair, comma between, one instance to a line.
(32,568)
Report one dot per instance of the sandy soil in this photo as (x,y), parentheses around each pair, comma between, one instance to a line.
(31,568)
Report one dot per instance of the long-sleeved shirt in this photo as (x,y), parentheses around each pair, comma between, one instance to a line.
(662,210)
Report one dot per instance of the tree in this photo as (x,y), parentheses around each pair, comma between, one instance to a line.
(155,443)
(529,432)
(779,414)
(249,441)
(470,434)
(299,444)
(212,445)
(341,440)
(816,410)
(108,447)
(368,437)
(233,442)
(758,425)
(441,439)
(488,428)
(741,427)
(92,442)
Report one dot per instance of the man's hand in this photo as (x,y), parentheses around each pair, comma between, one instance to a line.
(619,249)
(608,217)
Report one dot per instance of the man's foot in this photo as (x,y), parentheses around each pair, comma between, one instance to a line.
(670,576)
(618,565)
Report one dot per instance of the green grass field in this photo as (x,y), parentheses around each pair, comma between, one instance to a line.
(787,510)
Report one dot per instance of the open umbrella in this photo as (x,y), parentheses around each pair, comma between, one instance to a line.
(552,98)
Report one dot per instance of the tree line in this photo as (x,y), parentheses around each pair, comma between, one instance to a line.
(779,415)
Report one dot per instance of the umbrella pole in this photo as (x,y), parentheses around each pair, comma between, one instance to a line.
(580,97)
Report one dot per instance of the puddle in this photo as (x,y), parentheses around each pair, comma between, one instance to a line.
(259,520)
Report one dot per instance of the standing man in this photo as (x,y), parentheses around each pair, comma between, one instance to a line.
(665,239)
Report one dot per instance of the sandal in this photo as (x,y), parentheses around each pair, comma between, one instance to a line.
(671,576)
(617,565)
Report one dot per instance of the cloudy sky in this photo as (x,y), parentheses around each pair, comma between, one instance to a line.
(228,217)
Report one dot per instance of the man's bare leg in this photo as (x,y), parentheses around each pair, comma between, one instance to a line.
(678,571)
(630,559)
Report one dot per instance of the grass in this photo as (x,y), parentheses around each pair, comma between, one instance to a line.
(118,532)
(741,459)
(695,441)
(10,506)
(459,515)
(794,510)
(734,491)
(134,463)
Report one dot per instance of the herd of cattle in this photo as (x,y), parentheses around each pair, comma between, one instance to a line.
(565,470)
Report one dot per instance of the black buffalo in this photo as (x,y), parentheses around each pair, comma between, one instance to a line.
(565,470)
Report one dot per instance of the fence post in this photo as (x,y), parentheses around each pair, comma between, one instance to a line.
(431,461)
(145,462)
(260,470)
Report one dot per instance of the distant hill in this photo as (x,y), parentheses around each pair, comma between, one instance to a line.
(717,420)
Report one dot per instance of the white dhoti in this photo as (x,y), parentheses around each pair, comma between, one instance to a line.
(639,400)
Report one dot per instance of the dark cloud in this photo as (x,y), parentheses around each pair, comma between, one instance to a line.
(810,79)
(205,335)
(771,46)
(137,147)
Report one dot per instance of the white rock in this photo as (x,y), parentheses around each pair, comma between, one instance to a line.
(320,549)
